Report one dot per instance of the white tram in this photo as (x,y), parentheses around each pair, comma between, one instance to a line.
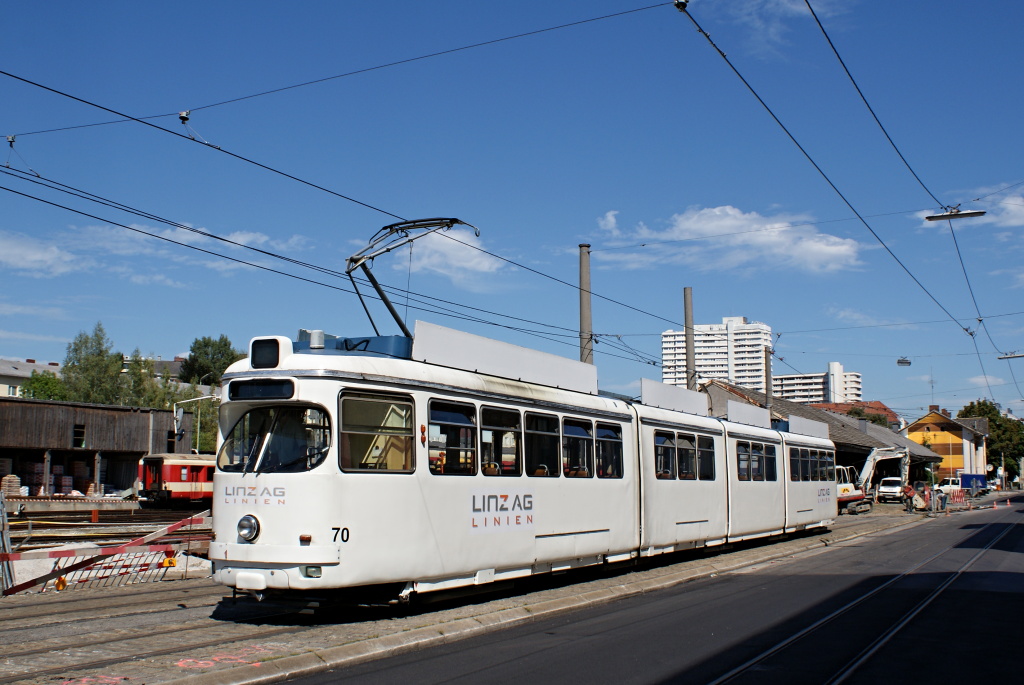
(456,460)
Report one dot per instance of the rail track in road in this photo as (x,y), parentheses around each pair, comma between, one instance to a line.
(40,529)
(891,605)
(160,632)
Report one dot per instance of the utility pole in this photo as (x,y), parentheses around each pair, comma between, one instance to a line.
(586,322)
(688,336)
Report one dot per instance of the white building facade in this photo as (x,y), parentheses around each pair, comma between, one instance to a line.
(833,386)
(732,351)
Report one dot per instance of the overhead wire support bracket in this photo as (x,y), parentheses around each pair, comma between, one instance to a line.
(390,238)
(954,212)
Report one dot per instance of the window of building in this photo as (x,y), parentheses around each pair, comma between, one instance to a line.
(501,439)
(452,438)
(541,445)
(78,435)
(171,441)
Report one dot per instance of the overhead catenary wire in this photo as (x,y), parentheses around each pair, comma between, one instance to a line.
(428,309)
(409,60)
(201,142)
(946,207)
(682,7)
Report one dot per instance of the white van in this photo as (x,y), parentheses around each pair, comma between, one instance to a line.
(890,489)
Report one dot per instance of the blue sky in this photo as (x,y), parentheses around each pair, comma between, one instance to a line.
(630,133)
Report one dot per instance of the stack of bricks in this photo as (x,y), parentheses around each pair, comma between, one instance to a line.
(80,474)
(11,485)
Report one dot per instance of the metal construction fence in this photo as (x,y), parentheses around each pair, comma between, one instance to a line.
(140,560)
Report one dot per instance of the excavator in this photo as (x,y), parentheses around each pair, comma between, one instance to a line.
(852,486)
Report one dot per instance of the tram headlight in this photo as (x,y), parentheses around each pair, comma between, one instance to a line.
(248,528)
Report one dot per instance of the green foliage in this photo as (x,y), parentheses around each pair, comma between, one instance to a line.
(44,386)
(208,357)
(141,388)
(205,414)
(92,370)
(878,419)
(1006,436)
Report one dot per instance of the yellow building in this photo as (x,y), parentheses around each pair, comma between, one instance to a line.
(960,442)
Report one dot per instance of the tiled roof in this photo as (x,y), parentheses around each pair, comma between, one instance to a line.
(840,432)
(869,407)
(24,369)
(882,433)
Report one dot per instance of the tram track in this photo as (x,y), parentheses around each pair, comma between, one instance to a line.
(149,610)
(754,668)
(182,648)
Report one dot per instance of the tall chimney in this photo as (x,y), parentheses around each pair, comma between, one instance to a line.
(586,322)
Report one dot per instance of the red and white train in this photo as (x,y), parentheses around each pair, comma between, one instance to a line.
(177,478)
(451,460)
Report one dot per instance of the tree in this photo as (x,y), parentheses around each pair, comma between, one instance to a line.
(1005,435)
(92,370)
(208,357)
(860,413)
(141,388)
(44,386)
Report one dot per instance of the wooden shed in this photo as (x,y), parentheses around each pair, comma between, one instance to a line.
(56,447)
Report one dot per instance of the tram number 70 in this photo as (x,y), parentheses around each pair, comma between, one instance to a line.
(340,533)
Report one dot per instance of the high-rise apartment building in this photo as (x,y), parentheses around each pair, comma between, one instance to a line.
(732,351)
(834,386)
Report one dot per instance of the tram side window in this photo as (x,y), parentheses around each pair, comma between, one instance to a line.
(805,464)
(743,461)
(541,445)
(770,466)
(817,458)
(501,440)
(794,463)
(376,434)
(756,461)
(664,455)
(451,436)
(830,465)
(609,451)
(705,458)
(686,454)
(578,448)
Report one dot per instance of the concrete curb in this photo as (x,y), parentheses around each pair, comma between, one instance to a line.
(318,661)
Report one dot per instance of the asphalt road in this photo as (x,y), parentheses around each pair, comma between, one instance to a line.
(940,602)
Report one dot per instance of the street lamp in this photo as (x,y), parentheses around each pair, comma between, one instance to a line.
(178,417)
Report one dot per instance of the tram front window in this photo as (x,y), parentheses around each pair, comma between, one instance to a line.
(284,439)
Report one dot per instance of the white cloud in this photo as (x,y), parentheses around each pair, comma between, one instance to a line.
(982,381)
(155,279)
(31,257)
(7,309)
(439,254)
(609,223)
(726,238)
(19,335)
(768,20)
(860,318)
